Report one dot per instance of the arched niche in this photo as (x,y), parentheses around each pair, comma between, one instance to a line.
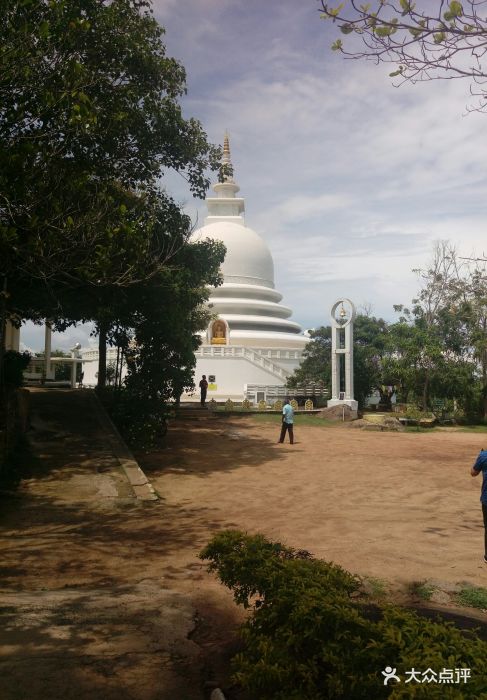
(219,332)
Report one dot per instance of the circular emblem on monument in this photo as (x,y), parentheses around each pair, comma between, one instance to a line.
(342,313)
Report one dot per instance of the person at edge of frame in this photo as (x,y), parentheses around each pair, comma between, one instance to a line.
(481,466)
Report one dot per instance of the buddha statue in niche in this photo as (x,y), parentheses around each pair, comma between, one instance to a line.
(218,333)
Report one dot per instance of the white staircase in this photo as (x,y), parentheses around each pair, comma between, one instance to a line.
(255,357)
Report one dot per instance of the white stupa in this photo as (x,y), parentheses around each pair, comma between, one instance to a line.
(251,346)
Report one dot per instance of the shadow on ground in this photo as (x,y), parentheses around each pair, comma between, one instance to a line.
(202,448)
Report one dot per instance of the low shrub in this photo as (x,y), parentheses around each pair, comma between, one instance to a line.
(14,364)
(14,419)
(141,422)
(14,464)
(374,587)
(308,638)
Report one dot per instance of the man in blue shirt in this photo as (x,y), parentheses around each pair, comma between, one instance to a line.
(287,422)
(481,466)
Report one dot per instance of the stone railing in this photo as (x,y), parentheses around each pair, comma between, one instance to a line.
(256,357)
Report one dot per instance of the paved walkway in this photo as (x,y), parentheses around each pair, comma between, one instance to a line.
(77,618)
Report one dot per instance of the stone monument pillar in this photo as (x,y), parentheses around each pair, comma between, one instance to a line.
(342,318)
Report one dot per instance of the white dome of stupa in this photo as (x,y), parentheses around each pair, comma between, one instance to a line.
(247,300)
(247,258)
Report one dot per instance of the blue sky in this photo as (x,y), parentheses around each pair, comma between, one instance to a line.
(348,179)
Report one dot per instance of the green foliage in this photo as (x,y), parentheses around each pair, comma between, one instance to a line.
(157,329)
(386,30)
(168,314)
(316,365)
(89,123)
(14,458)
(455,10)
(426,42)
(14,365)
(376,587)
(251,565)
(474,429)
(422,589)
(414,413)
(370,336)
(473,597)
(307,638)
(142,423)
(437,349)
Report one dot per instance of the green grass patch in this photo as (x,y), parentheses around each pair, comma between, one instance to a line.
(375,587)
(473,428)
(419,429)
(473,597)
(299,419)
(237,409)
(422,590)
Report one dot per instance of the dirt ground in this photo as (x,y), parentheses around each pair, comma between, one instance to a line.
(103,596)
(398,506)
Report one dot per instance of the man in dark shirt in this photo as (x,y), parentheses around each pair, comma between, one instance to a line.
(203,390)
(481,466)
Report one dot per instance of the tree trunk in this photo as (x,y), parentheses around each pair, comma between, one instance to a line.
(3,328)
(385,399)
(102,355)
(117,368)
(426,392)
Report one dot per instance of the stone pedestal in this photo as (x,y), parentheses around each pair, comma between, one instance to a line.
(351,403)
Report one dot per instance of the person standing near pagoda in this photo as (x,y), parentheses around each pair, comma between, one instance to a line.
(203,390)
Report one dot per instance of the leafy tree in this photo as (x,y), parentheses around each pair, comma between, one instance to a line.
(89,120)
(423,365)
(437,349)
(423,335)
(426,40)
(431,345)
(370,342)
(471,307)
(163,318)
(316,365)
(169,312)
